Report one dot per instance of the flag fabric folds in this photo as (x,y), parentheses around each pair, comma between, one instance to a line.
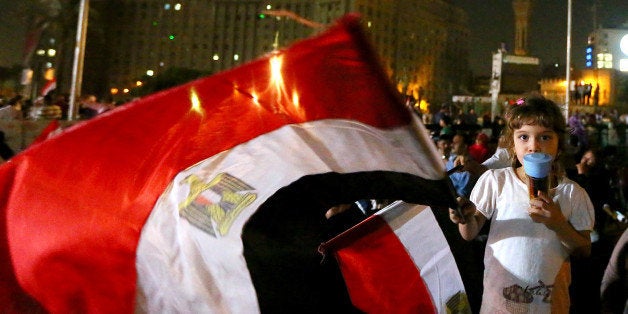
(143,208)
(387,268)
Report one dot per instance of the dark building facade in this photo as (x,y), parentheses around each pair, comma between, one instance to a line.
(423,44)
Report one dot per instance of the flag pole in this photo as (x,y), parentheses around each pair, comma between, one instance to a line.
(79,54)
(568,61)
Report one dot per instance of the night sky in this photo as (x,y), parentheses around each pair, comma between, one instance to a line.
(490,21)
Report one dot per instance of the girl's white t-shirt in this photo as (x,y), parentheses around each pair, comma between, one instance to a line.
(526,266)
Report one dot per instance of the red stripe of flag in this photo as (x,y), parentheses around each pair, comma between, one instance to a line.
(379,273)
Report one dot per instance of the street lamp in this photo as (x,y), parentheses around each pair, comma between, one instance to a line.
(568,61)
(79,54)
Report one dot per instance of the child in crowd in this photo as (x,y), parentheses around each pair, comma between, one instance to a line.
(530,240)
(479,150)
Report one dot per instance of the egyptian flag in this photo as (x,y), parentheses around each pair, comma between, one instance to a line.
(211,196)
(387,272)
(49,86)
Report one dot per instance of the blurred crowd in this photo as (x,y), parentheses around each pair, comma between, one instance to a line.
(43,108)
(50,107)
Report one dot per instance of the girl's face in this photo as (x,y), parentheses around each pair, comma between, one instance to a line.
(535,139)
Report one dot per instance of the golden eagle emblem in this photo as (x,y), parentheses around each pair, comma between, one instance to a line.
(213,206)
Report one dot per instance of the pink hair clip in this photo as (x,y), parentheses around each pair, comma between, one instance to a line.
(520,101)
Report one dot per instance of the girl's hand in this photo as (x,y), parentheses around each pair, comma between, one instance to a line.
(544,210)
(467,209)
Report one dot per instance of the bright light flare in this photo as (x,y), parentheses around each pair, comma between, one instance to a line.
(275,71)
(295,100)
(284,100)
(255,99)
(196,102)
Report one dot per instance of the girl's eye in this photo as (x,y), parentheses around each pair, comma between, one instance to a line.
(546,137)
(523,137)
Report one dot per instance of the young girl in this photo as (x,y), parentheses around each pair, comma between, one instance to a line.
(530,240)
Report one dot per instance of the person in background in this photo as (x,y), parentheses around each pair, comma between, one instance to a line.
(578,132)
(526,259)
(463,181)
(443,112)
(445,126)
(479,150)
(34,111)
(486,121)
(5,151)
(591,174)
(471,118)
(91,107)
(459,118)
(501,158)
(614,287)
(443,144)
(13,110)
(498,125)
(63,102)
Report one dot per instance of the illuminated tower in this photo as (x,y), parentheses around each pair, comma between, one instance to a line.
(522,10)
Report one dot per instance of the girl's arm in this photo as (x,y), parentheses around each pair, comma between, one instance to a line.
(544,210)
(472,221)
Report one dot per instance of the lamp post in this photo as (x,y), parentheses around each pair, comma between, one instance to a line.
(568,61)
(79,54)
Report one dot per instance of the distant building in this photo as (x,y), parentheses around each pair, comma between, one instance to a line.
(423,43)
(606,61)
(608,49)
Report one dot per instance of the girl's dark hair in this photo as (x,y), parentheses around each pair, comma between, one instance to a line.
(535,110)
